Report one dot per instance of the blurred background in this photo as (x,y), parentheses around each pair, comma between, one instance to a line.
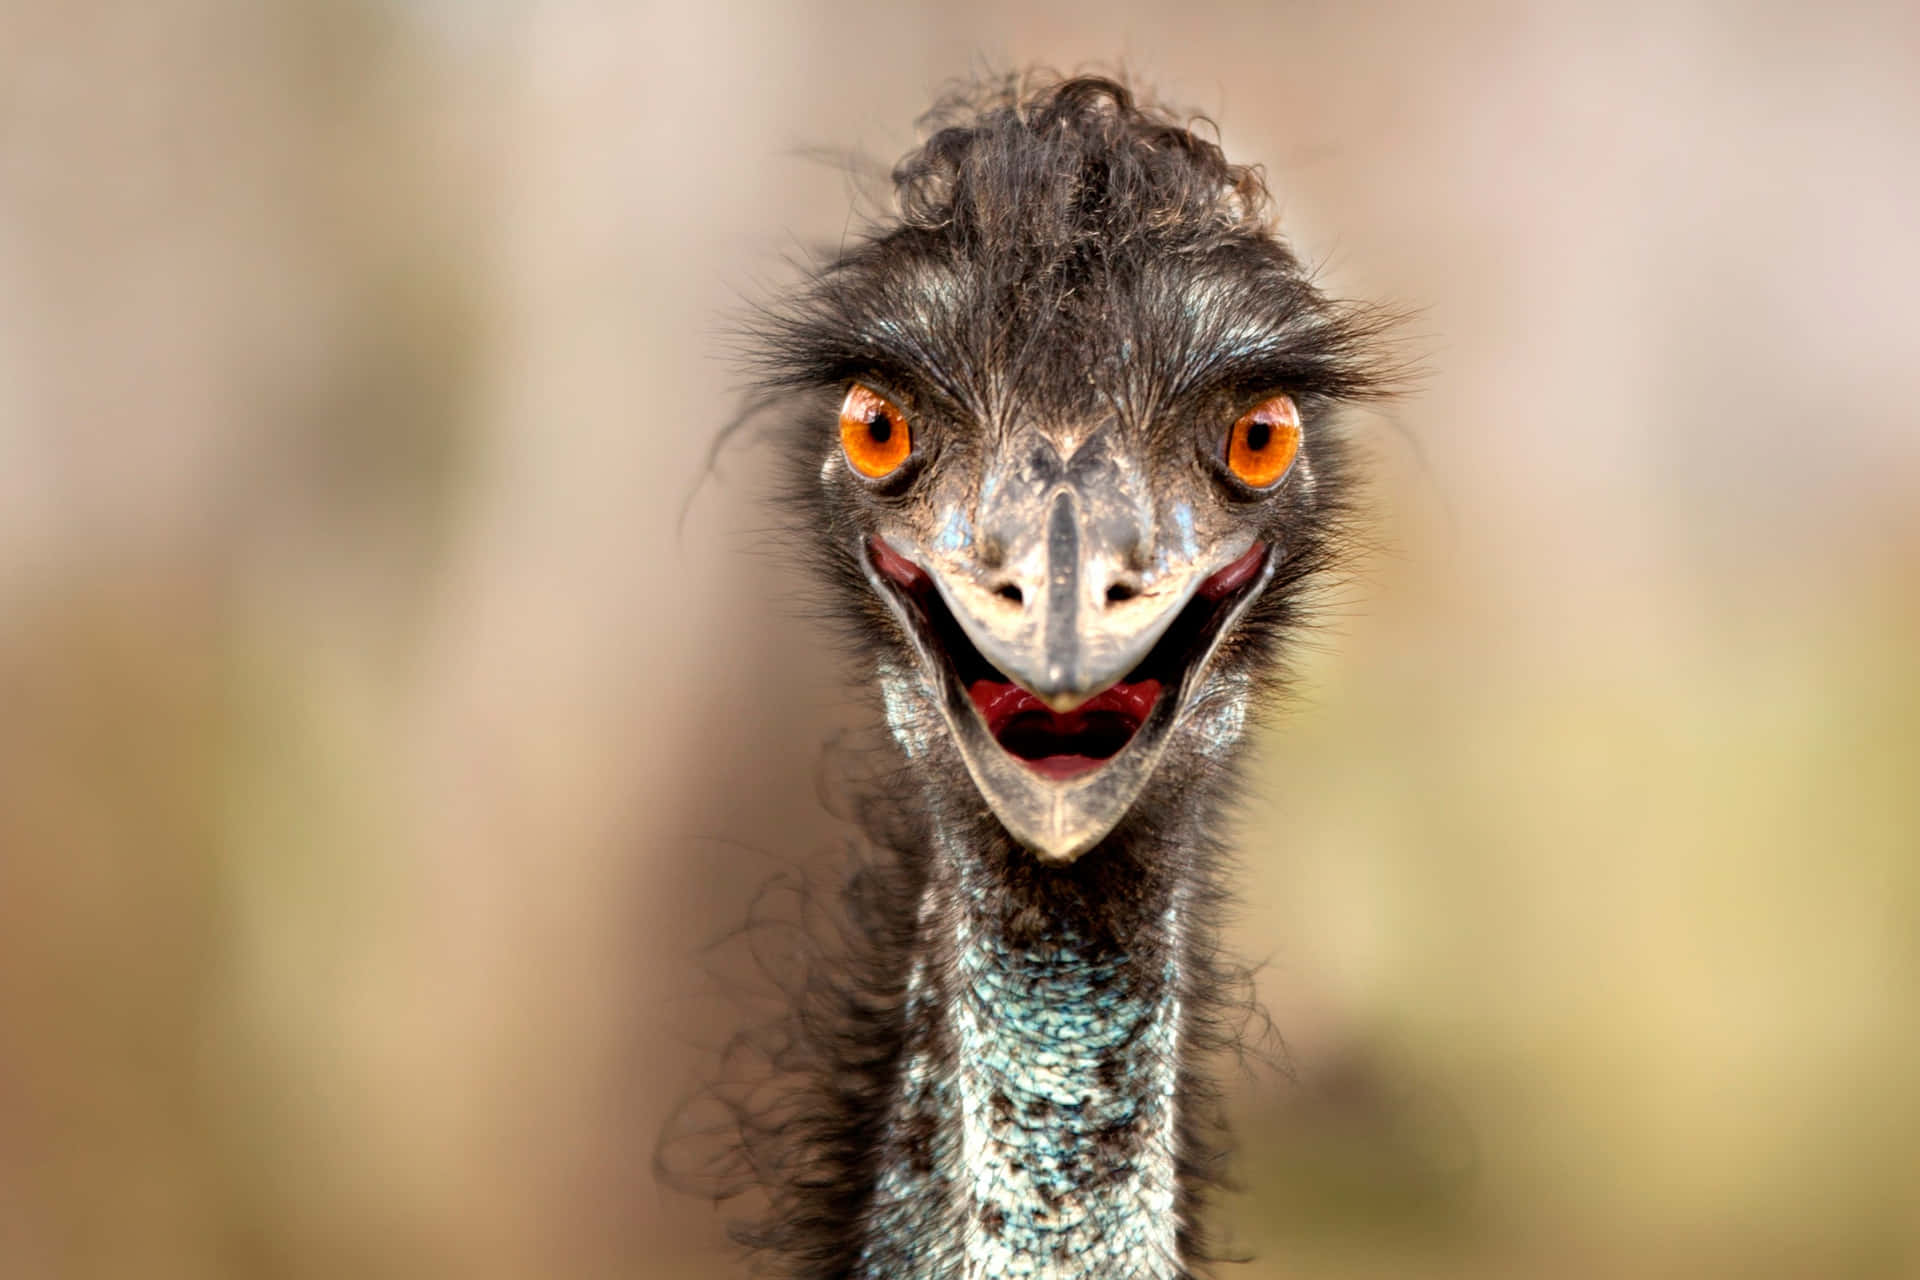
(379,754)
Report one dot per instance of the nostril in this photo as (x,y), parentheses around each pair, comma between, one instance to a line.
(1120,592)
(1009,591)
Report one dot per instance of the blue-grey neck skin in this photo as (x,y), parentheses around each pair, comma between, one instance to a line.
(1042,1091)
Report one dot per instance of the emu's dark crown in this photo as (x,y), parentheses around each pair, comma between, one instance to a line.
(1082,458)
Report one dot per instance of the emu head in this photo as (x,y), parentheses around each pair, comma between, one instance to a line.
(1066,444)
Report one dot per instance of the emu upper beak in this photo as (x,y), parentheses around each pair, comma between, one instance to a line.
(1078,622)
(1063,620)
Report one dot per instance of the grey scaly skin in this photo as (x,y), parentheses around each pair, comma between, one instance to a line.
(1052,1123)
(1026,423)
(1038,1097)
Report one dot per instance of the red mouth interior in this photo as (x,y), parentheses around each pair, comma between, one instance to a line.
(1063,744)
(1066,744)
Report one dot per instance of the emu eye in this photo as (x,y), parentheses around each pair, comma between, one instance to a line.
(873,432)
(1264,442)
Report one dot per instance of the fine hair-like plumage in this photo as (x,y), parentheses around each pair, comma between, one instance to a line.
(1070,596)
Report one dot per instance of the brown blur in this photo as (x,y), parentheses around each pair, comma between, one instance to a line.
(379,750)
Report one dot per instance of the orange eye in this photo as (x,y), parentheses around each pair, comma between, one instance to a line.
(873,432)
(1265,442)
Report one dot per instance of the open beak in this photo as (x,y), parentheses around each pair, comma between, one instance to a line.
(1062,692)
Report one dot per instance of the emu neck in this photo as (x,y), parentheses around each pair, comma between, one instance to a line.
(1033,1131)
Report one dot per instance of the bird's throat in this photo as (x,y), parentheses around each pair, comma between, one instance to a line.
(1034,1127)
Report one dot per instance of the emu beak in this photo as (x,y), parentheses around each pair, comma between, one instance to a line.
(1062,692)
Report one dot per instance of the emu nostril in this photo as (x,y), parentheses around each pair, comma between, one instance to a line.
(1121,591)
(1009,591)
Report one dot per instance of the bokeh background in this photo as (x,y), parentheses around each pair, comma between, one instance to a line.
(391,713)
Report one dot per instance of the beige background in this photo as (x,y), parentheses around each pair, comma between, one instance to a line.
(375,760)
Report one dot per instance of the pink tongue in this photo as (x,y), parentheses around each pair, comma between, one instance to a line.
(1000,702)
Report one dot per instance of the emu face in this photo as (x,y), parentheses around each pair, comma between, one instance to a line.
(1066,566)
(1080,459)
(1064,612)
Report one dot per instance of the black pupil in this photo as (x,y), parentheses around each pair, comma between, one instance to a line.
(881,428)
(1259,435)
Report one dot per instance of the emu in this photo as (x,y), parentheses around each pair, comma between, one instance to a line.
(1065,456)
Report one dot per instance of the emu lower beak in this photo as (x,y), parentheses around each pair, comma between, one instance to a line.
(1075,651)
